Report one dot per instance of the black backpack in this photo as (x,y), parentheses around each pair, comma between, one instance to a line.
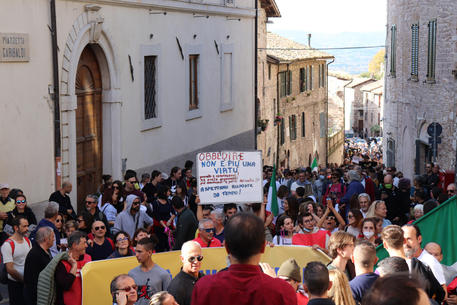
(433,287)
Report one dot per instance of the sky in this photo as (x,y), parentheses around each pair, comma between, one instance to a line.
(330,16)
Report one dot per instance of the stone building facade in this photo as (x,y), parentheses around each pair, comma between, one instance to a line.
(143,85)
(421,83)
(293,114)
(372,105)
(354,105)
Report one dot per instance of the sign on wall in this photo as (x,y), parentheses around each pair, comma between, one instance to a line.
(14,47)
(229,177)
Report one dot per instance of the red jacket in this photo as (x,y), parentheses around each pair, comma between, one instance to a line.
(369,188)
(74,295)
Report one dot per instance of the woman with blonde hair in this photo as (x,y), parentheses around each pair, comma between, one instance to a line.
(340,292)
(162,298)
(378,209)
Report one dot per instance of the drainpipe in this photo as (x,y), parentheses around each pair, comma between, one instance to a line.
(256,106)
(277,111)
(55,96)
(326,119)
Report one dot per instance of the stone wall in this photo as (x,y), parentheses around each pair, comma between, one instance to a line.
(410,106)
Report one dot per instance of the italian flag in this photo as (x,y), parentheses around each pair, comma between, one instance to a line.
(314,165)
(274,198)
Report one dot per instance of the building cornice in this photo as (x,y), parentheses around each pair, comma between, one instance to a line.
(177,6)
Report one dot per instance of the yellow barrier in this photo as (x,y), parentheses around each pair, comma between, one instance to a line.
(97,276)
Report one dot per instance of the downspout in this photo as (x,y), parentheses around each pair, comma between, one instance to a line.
(326,119)
(256,106)
(55,96)
(277,111)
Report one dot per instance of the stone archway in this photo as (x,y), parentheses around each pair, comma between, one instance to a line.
(88,29)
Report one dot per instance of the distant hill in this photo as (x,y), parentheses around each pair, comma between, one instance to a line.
(354,61)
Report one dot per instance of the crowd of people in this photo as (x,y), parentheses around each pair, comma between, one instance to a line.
(344,211)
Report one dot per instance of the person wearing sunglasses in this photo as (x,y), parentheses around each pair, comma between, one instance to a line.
(123,290)
(182,285)
(207,231)
(122,242)
(132,217)
(102,246)
(21,209)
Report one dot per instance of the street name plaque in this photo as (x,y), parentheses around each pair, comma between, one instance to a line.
(14,47)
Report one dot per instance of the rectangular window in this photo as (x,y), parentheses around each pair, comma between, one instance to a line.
(282,134)
(193,81)
(302,79)
(293,127)
(309,81)
(150,106)
(303,124)
(431,57)
(289,82)
(269,71)
(393,47)
(282,84)
(414,51)
(321,75)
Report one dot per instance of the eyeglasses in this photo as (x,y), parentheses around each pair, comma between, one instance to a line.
(193,258)
(128,288)
(350,216)
(210,230)
(331,217)
(58,220)
(136,202)
(90,202)
(121,239)
(451,191)
(132,182)
(21,201)
(99,228)
(115,187)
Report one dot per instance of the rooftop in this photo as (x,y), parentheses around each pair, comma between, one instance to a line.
(286,50)
(360,81)
(271,8)
(373,86)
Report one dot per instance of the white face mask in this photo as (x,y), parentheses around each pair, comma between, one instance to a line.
(368,234)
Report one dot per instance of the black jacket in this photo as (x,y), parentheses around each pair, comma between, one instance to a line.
(181,287)
(37,259)
(186,226)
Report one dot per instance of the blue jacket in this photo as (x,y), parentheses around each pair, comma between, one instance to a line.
(46,223)
(354,188)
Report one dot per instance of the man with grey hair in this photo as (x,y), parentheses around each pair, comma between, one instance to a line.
(354,188)
(91,206)
(49,220)
(182,285)
(61,197)
(37,259)
(207,230)
(364,202)
(218,216)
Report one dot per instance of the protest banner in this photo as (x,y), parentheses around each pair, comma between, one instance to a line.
(229,177)
(97,276)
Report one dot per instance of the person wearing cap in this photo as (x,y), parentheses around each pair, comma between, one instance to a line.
(290,272)
(7,204)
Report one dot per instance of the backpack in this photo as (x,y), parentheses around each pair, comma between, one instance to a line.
(3,272)
(433,289)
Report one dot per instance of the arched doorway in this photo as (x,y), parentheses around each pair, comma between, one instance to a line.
(88,89)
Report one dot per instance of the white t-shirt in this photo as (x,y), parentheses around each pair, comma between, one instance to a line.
(283,241)
(18,259)
(433,263)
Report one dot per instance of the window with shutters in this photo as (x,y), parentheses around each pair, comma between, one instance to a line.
(431,57)
(289,82)
(150,107)
(415,51)
(282,133)
(293,127)
(309,81)
(393,48)
(321,75)
(282,84)
(193,82)
(269,71)
(303,124)
(302,80)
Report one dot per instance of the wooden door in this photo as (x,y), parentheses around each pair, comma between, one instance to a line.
(88,125)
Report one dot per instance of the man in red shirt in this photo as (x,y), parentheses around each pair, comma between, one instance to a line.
(243,283)
(207,230)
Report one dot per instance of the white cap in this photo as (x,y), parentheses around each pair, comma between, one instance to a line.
(4,186)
